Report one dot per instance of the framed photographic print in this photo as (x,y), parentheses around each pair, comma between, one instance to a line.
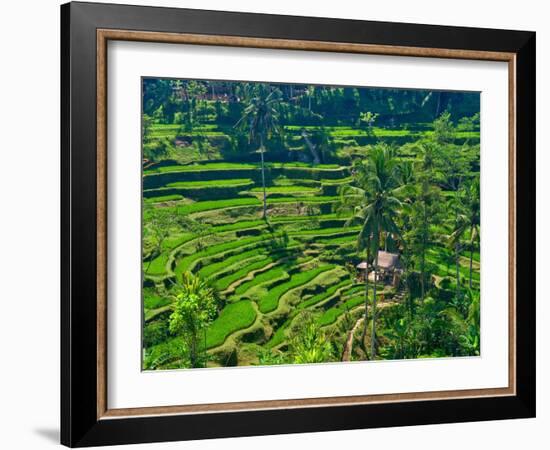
(276,224)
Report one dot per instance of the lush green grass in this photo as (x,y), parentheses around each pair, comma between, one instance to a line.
(283,181)
(279,335)
(214,268)
(217,204)
(316,199)
(211,205)
(303,165)
(285,189)
(174,241)
(223,165)
(212,183)
(236,226)
(163,198)
(201,167)
(443,259)
(157,266)
(271,274)
(330,315)
(323,295)
(336,240)
(172,130)
(172,134)
(233,317)
(188,262)
(224,282)
(320,217)
(327,231)
(151,301)
(270,301)
(338,181)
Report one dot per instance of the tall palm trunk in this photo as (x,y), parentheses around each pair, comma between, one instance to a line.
(423,255)
(193,356)
(312,148)
(471,261)
(457,257)
(366,320)
(457,253)
(263,176)
(373,330)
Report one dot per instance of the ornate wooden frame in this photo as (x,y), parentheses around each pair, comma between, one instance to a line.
(86,29)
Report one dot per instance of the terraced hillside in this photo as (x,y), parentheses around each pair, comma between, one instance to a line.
(264,271)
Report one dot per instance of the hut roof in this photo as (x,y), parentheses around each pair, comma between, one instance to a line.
(386,260)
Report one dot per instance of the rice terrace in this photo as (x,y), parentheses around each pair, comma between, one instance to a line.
(292,223)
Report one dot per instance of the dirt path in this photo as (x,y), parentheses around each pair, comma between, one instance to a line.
(346,355)
(348,347)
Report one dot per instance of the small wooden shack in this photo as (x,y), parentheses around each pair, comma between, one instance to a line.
(389,268)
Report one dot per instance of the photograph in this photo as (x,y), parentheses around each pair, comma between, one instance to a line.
(298,223)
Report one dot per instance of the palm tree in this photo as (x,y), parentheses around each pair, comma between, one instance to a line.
(470,220)
(473,219)
(458,228)
(309,343)
(374,206)
(310,92)
(466,204)
(194,310)
(261,117)
(424,196)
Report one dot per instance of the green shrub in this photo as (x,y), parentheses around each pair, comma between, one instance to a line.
(155,333)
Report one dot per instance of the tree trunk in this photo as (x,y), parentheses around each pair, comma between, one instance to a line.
(314,153)
(373,332)
(193,351)
(438,105)
(264,216)
(457,253)
(471,260)
(457,256)
(423,255)
(366,320)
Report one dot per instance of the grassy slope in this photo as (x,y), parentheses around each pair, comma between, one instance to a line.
(270,301)
(233,317)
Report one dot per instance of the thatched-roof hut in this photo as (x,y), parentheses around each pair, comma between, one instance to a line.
(389,267)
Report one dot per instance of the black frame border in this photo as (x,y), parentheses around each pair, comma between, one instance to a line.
(79,424)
